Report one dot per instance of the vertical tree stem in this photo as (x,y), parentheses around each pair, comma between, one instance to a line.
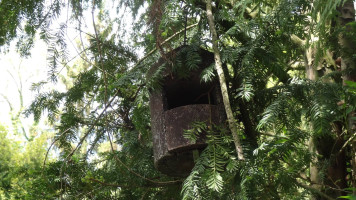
(348,66)
(316,184)
(225,95)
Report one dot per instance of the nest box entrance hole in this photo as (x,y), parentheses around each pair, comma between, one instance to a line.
(181,92)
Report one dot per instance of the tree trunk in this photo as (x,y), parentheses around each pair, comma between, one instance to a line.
(311,74)
(225,95)
(334,180)
(348,66)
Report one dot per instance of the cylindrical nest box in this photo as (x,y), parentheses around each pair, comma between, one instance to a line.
(180,101)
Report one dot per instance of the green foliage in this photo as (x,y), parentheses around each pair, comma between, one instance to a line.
(194,133)
(6,162)
(352,197)
(187,60)
(102,121)
(269,172)
(215,164)
(21,167)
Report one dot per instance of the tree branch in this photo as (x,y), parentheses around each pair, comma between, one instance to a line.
(307,187)
(222,80)
(164,42)
(132,186)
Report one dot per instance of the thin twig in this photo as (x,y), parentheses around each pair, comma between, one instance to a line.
(44,18)
(92,127)
(347,142)
(164,42)
(49,148)
(122,185)
(107,184)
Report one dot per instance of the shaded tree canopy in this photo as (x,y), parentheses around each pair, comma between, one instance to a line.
(289,70)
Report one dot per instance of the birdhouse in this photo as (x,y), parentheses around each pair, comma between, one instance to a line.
(180,101)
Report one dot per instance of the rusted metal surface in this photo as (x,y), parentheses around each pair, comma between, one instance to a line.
(157,121)
(179,119)
(174,107)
